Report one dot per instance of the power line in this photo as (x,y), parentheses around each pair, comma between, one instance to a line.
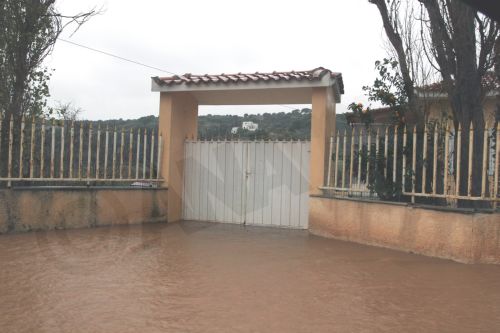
(115,56)
(135,62)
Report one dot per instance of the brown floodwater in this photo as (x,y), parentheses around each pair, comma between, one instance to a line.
(205,277)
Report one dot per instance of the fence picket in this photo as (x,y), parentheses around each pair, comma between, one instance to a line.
(471,152)
(434,161)
(32,147)
(61,165)
(439,136)
(11,142)
(42,149)
(21,148)
(424,159)
(52,148)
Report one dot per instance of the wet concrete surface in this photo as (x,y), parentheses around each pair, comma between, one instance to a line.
(207,277)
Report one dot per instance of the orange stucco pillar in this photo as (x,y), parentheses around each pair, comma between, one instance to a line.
(178,121)
(322,127)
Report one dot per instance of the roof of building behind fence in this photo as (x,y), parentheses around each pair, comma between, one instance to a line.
(318,77)
(489,81)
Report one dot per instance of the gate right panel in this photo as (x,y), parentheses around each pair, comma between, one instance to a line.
(278,184)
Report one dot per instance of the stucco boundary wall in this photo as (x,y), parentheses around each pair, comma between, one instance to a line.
(464,236)
(40,208)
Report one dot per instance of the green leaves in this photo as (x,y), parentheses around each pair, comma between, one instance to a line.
(388,89)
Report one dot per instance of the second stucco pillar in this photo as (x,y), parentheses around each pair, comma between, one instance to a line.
(178,121)
(322,128)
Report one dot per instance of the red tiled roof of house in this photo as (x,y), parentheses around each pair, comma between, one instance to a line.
(489,81)
(240,78)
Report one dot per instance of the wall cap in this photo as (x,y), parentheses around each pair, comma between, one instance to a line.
(83,188)
(467,211)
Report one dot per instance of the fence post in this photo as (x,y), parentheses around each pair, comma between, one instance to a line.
(71,148)
(424,160)
(485,161)
(21,148)
(459,156)
(1,126)
(395,156)
(42,149)
(414,164)
(330,154)
(446,156)
(344,157)
(11,139)
(386,151)
(471,151)
(497,163)
(61,165)
(337,140)
(52,148)
(434,160)
(405,140)
(351,166)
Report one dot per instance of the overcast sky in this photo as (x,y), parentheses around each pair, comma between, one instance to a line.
(218,36)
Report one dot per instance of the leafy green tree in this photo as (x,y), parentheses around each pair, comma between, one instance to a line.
(28,32)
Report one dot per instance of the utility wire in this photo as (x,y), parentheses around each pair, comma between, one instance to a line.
(116,56)
(134,62)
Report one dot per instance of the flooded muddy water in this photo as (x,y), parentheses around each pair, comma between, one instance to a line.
(199,277)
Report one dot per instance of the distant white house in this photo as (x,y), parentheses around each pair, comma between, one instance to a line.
(234,130)
(250,126)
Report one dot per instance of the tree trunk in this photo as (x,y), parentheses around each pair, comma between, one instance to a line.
(467,101)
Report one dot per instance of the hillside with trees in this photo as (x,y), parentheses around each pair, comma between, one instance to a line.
(294,125)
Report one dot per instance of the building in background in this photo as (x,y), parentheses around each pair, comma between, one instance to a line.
(250,126)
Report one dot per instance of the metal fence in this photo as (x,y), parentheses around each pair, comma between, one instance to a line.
(416,164)
(40,150)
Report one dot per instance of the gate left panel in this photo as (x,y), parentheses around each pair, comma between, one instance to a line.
(213,179)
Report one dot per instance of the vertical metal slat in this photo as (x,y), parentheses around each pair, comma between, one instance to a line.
(52,149)
(344,157)
(32,147)
(459,156)
(471,152)
(137,154)
(98,153)
(144,154)
(151,162)
(330,158)
(80,152)
(89,153)
(113,172)
(71,149)
(61,166)
(122,146)
(42,149)
(424,160)
(434,160)
(11,140)
(21,148)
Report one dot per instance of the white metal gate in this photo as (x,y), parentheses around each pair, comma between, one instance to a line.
(247,182)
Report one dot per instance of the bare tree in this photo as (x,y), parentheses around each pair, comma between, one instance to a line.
(459,44)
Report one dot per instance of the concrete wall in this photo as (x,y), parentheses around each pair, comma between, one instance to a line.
(440,109)
(26,209)
(462,236)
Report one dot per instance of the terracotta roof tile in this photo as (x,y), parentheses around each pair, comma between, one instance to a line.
(241,78)
(489,81)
